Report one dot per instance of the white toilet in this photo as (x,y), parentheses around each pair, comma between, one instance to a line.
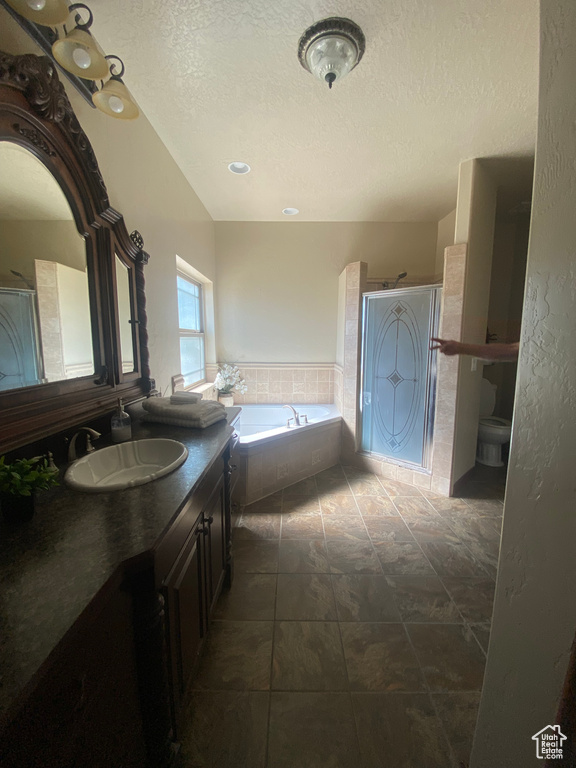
(493,432)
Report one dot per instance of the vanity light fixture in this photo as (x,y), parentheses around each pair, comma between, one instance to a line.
(290,211)
(239,168)
(47,12)
(114,98)
(78,52)
(331,48)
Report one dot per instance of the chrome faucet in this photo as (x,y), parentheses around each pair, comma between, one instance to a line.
(89,447)
(296,416)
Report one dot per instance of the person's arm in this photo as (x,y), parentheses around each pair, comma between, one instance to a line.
(492,352)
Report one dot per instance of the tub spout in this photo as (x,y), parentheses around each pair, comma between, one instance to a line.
(296,415)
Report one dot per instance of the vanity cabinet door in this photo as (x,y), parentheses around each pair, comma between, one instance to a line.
(187,617)
(215,523)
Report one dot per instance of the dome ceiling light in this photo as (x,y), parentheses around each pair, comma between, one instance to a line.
(331,48)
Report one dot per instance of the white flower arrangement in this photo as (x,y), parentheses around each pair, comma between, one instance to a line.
(228,380)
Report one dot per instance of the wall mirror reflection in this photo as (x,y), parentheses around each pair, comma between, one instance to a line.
(125,316)
(45,323)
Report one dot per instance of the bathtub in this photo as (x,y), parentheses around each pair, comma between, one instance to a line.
(271,456)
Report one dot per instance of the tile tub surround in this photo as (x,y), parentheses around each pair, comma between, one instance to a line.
(360,647)
(284,383)
(439,477)
(270,466)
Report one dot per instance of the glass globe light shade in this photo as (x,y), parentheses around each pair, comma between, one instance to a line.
(331,58)
(331,48)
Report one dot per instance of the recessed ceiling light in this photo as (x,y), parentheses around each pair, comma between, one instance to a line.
(239,167)
(290,211)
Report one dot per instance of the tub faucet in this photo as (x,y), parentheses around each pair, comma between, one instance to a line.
(296,416)
(89,447)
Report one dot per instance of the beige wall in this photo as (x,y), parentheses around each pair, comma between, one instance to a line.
(445,237)
(277,283)
(475,216)
(534,613)
(21,242)
(146,186)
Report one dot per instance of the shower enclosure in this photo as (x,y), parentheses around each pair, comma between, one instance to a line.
(20,362)
(399,374)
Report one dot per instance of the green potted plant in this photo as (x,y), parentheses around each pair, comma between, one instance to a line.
(19,481)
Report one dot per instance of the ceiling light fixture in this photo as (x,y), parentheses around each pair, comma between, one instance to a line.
(290,211)
(331,48)
(239,168)
(114,98)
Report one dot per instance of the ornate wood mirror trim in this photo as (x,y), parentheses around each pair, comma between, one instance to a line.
(35,114)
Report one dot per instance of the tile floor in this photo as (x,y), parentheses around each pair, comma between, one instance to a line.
(356,628)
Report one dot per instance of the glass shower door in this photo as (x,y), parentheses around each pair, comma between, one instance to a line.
(398,373)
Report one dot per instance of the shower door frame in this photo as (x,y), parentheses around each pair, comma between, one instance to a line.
(430,389)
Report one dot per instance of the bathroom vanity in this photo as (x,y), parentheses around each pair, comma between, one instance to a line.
(106,597)
(106,600)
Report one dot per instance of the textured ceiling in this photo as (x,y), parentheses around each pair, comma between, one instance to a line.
(441,81)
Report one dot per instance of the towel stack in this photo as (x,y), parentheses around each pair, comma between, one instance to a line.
(182,412)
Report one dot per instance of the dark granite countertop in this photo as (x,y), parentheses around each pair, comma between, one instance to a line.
(53,566)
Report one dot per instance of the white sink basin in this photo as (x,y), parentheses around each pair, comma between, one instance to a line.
(125,465)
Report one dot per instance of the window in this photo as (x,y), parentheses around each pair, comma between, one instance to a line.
(191,325)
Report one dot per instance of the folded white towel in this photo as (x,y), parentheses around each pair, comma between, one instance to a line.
(188,423)
(161,406)
(179,398)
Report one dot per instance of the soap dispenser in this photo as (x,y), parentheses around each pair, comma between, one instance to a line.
(121,425)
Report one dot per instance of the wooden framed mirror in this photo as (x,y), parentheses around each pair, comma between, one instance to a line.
(72,301)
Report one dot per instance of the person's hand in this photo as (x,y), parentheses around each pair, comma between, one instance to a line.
(447,346)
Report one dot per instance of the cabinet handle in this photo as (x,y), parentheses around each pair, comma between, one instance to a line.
(82,697)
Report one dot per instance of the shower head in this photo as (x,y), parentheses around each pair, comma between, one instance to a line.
(400,277)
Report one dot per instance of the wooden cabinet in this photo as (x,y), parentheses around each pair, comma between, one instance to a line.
(192,569)
(85,709)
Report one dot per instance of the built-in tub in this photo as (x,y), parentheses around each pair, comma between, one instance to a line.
(271,456)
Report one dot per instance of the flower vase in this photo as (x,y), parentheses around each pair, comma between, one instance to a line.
(17,509)
(226,400)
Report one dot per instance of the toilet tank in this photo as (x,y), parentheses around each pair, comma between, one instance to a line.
(487,398)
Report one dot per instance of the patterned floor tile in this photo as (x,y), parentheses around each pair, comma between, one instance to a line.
(308,657)
(312,730)
(303,556)
(305,597)
(423,599)
(364,597)
(379,657)
(400,731)
(450,656)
